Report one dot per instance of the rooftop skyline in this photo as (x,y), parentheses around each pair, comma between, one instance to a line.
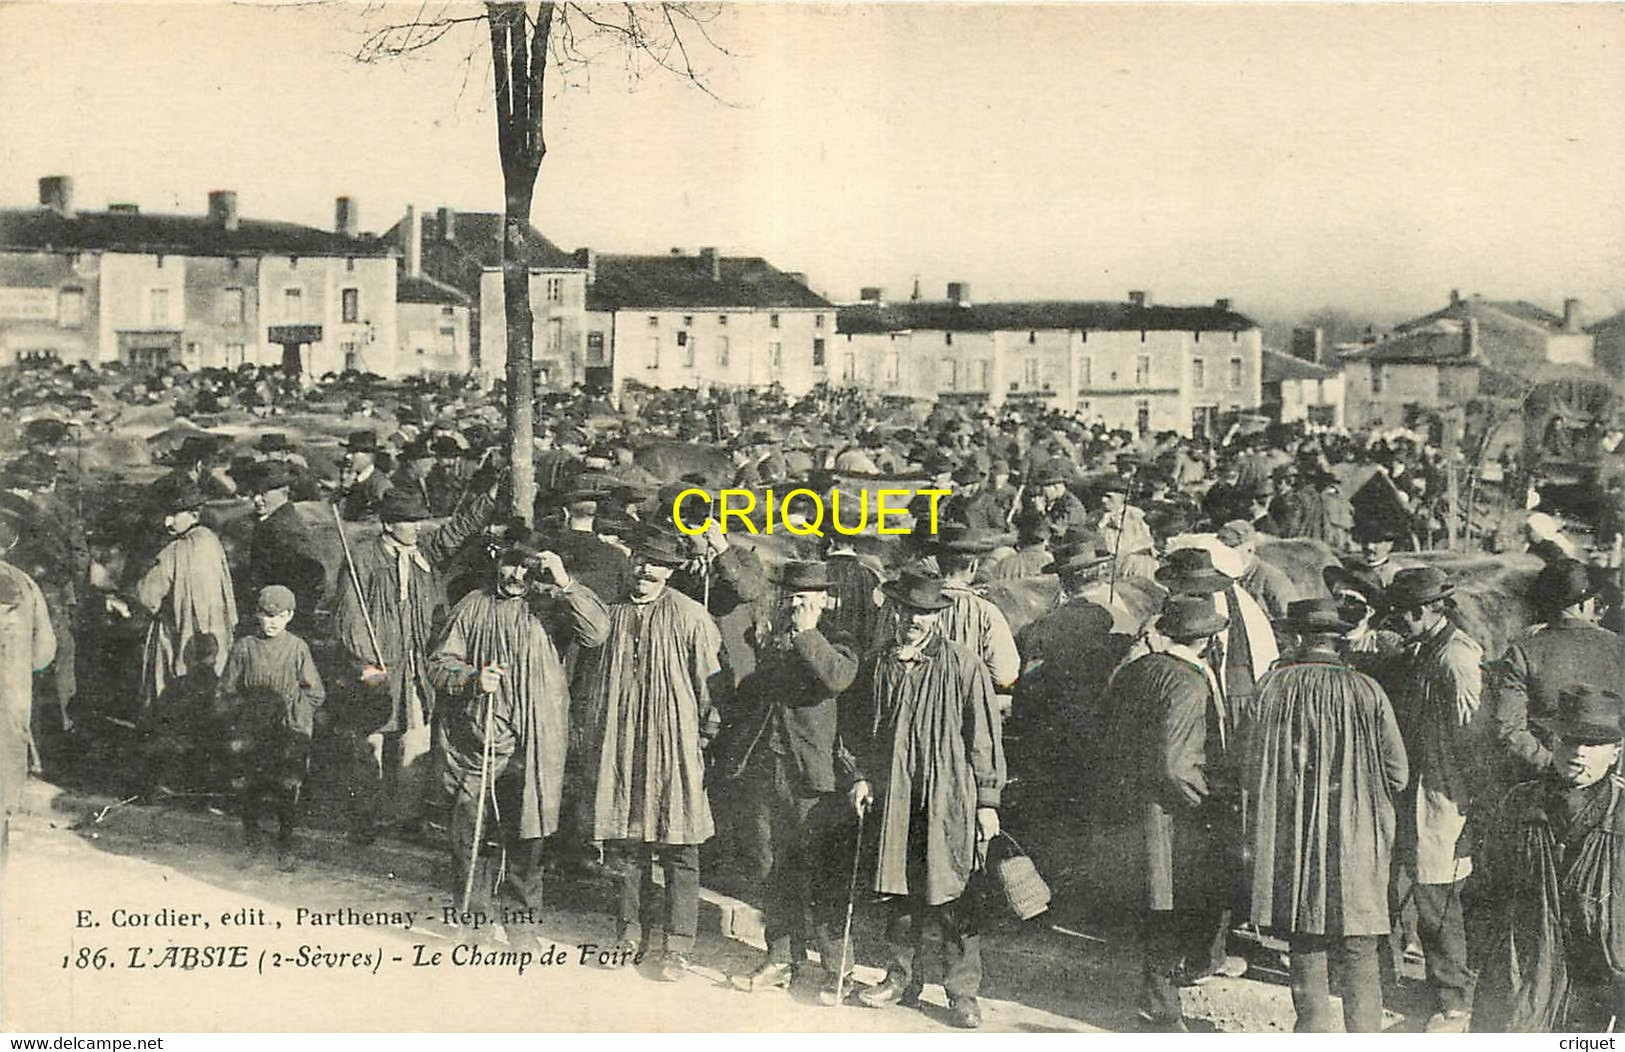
(1287,158)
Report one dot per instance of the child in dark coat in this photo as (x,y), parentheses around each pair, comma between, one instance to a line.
(270,692)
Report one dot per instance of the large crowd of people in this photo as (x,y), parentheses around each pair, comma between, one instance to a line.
(1095,622)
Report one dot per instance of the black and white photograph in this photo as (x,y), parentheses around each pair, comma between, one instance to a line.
(872,518)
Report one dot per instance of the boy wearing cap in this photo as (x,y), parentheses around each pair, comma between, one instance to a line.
(1549,890)
(270,691)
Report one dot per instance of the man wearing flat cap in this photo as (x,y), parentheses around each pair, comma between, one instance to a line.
(1438,685)
(390,605)
(781,753)
(1324,763)
(1180,765)
(650,691)
(1548,893)
(927,751)
(498,653)
(1565,646)
(361,485)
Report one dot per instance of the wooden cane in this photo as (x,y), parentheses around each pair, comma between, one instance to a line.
(360,598)
(479,803)
(851,897)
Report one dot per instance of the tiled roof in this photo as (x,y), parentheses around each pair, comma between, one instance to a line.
(1033,316)
(1470,306)
(42,229)
(1278,366)
(1439,343)
(670,281)
(424,289)
(476,247)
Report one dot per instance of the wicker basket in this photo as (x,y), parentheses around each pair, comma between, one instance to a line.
(1018,880)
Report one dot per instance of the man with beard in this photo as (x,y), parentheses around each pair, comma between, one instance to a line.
(927,752)
(782,755)
(650,685)
(282,549)
(361,485)
(1325,761)
(1549,891)
(388,611)
(499,673)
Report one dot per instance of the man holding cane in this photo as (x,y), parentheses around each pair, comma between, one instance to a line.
(505,700)
(927,753)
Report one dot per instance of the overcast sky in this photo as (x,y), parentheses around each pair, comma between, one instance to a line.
(1288,157)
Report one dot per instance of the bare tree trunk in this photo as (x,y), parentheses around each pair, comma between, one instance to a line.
(519,66)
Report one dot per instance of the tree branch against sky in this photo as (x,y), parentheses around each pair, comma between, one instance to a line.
(527,40)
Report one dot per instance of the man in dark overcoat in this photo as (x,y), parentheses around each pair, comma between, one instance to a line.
(1182,760)
(282,549)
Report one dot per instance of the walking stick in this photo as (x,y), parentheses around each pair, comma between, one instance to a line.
(851,897)
(479,804)
(360,599)
(1117,547)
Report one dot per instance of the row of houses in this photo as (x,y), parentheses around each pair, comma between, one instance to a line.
(425,296)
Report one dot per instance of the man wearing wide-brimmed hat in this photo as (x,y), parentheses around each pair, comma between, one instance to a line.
(282,550)
(498,650)
(189,595)
(650,698)
(927,751)
(1325,762)
(1438,685)
(1367,644)
(1548,893)
(1179,762)
(361,485)
(780,753)
(1058,504)
(1374,543)
(1565,646)
(390,605)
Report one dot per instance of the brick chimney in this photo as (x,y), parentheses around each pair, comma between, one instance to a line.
(710,264)
(872,294)
(1221,304)
(412,242)
(447,219)
(1571,315)
(223,209)
(587,259)
(1469,337)
(346,217)
(959,293)
(1455,297)
(56,193)
(1139,297)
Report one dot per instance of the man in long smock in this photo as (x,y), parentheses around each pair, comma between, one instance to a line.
(1325,761)
(1549,889)
(927,749)
(498,651)
(27,645)
(651,686)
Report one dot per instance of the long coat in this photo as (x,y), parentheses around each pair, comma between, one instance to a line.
(926,735)
(1325,761)
(189,595)
(1178,756)
(282,551)
(792,708)
(532,700)
(27,645)
(405,631)
(650,684)
(1438,683)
